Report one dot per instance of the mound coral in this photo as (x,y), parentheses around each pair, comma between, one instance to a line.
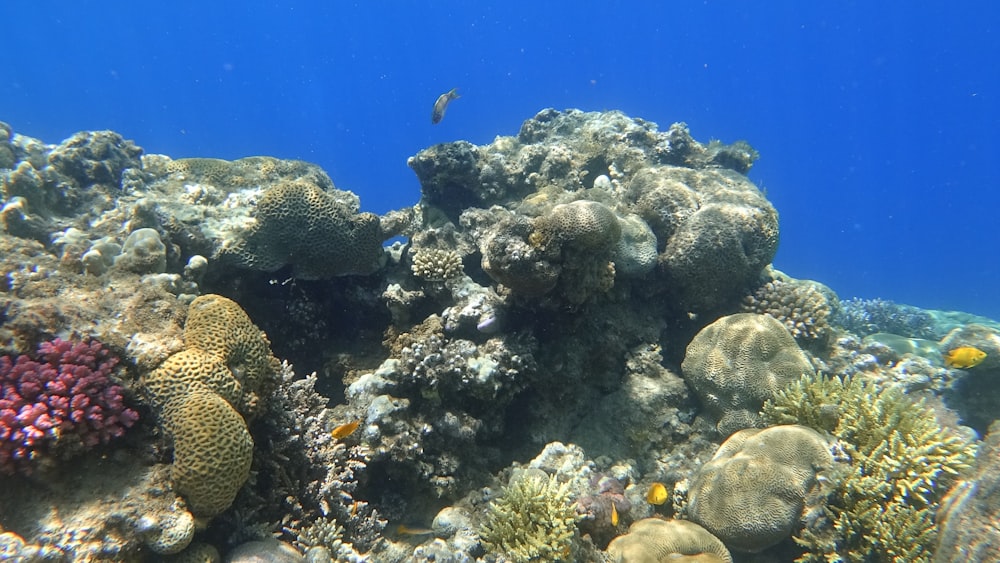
(318,232)
(653,540)
(738,362)
(63,402)
(902,460)
(753,492)
(205,393)
(533,519)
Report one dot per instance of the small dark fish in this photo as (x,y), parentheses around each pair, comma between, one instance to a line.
(441,105)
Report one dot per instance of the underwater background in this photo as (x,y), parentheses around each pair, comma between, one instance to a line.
(876,122)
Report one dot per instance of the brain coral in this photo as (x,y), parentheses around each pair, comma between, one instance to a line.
(212,450)
(740,361)
(205,392)
(582,224)
(318,232)
(653,540)
(752,493)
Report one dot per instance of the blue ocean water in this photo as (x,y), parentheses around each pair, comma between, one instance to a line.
(876,122)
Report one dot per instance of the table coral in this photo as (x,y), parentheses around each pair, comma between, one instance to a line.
(59,403)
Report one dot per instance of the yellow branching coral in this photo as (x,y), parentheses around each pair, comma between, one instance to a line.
(532,520)
(901,463)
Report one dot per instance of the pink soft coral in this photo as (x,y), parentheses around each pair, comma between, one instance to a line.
(62,401)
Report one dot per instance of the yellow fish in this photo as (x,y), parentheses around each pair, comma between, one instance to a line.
(614,515)
(441,105)
(657,494)
(964,357)
(345,430)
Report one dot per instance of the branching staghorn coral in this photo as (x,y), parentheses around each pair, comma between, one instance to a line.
(901,463)
(533,520)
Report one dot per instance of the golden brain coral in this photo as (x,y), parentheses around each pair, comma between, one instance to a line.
(205,393)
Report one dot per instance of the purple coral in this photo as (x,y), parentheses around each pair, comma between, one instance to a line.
(63,399)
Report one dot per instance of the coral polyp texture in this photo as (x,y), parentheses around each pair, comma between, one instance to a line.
(205,394)
(60,402)
(803,306)
(901,463)
(740,361)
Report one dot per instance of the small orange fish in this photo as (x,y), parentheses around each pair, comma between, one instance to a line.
(964,357)
(657,494)
(614,515)
(345,430)
(405,530)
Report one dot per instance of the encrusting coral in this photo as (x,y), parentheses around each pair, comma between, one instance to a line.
(901,462)
(532,520)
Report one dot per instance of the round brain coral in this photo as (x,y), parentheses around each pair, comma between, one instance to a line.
(653,540)
(583,224)
(752,493)
(740,361)
(318,232)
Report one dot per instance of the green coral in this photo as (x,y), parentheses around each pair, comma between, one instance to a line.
(902,462)
(532,520)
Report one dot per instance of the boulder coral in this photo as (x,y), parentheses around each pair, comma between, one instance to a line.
(753,492)
(740,361)
(205,394)
(319,233)
(654,540)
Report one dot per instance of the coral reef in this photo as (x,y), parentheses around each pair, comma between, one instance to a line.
(652,540)
(738,362)
(547,291)
(61,403)
(755,490)
(901,461)
(532,519)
